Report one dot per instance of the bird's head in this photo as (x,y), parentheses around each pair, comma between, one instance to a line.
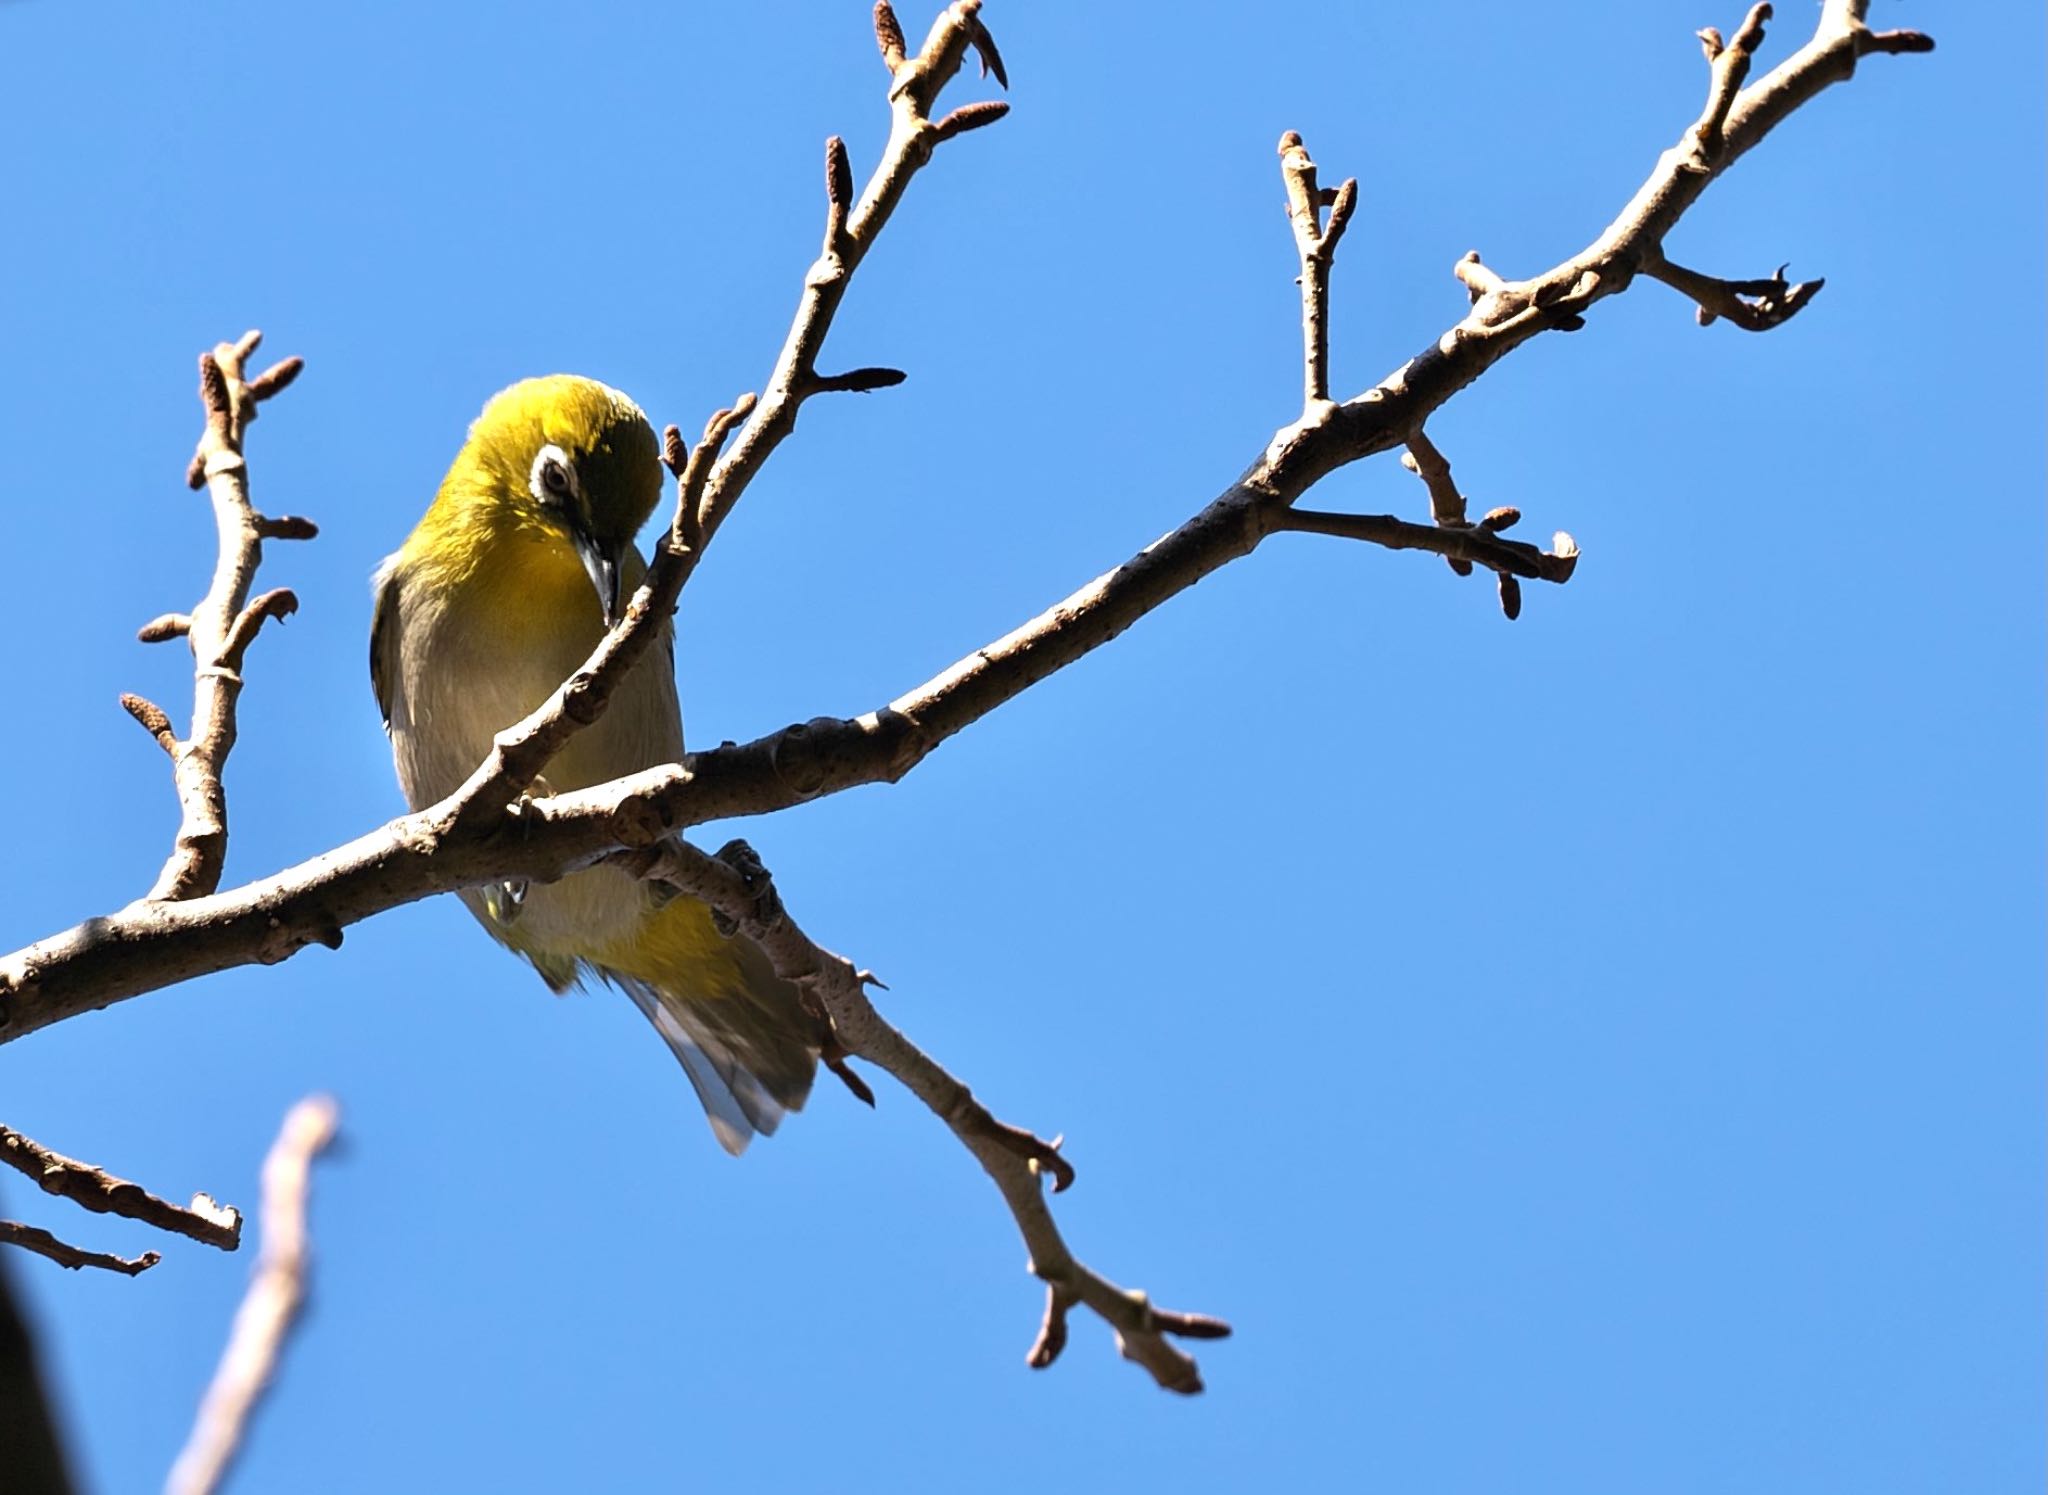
(572,458)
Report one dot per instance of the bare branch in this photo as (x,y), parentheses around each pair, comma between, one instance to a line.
(279,603)
(736,885)
(522,751)
(145,948)
(222,625)
(1317,245)
(1752,305)
(42,1243)
(969,117)
(162,629)
(1475,544)
(915,84)
(1728,67)
(1476,278)
(888,35)
(693,470)
(460,842)
(150,717)
(1446,503)
(204,1220)
(268,1311)
(838,197)
(286,527)
(857,381)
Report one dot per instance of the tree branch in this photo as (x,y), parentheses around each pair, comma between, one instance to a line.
(1752,305)
(42,1243)
(1316,242)
(147,947)
(271,1307)
(461,842)
(223,625)
(735,884)
(204,1220)
(707,493)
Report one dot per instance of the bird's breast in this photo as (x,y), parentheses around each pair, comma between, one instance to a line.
(479,651)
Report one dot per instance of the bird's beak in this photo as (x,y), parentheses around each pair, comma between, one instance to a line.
(602,562)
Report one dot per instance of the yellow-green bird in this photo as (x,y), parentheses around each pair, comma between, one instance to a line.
(521,563)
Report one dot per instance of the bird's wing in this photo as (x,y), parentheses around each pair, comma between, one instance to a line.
(384,636)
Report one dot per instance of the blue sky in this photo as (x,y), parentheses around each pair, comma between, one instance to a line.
(1598,1053)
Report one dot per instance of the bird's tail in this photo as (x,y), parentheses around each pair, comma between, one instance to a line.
(741,1032)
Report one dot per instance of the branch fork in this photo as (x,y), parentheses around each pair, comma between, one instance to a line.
(224,624)
(1316,241)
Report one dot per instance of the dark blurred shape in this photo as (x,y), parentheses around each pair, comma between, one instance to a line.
(31,1460)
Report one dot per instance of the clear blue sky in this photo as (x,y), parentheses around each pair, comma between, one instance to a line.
(1601,1053)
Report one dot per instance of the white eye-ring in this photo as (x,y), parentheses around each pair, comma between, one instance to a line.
(552,480)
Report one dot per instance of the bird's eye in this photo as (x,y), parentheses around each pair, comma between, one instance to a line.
(551,480)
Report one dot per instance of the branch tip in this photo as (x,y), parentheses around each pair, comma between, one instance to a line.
(1052,1330)
(42,1243)
(204,1220)
(163,629)
(276,379)
(984,46)
(856,381)
(1728,64)
(278,603)
(152,720)
(1894,43)
(1341,207)
(1753,305)
(889,35)
(286,527)
(213,390)
(1477,278)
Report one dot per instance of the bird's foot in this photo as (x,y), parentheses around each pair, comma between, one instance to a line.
(505,901)
(747,862)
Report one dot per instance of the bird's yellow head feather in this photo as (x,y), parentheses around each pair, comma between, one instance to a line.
(560,458)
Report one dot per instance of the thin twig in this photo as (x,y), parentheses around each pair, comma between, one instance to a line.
(1474,543)
(1446,502)
(735,884)
(221,627)
(1728,66)
(915,84)
(1476,278)
(1752,305)
(707,497)
(270,1308)
(204,1220)
(42,1243)
(1316,243)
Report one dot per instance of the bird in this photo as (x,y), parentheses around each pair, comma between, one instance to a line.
(519,566)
